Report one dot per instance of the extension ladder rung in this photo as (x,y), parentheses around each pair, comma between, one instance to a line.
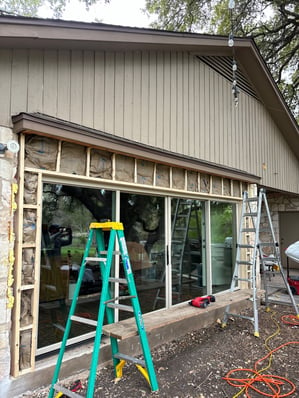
(253,199)
(250,214)
(243,246)
(236,278)
(66,392)
(248,230)
(129,358)
(122,307)
(243,262)
(269,260)
(274,244)
(86,321)
(95,259)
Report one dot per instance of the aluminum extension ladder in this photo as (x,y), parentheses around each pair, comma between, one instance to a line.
(107,306)
(257,242)
(179,237)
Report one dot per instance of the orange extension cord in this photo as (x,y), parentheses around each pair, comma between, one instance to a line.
(273,384)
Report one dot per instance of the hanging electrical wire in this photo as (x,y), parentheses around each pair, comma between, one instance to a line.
(231,43)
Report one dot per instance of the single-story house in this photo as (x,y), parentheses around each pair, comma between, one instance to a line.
(138,126)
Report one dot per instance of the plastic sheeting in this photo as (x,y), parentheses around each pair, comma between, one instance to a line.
(236,188)
(192,181)
(73,159)
(41,152)
(28,266)
(178,178)
(30,188)
(145,172)
(226,187)
(25,349)
(100,164)
(29,226)
(162,176)
(205,183)
(124,168)
(217,185)
(293,251)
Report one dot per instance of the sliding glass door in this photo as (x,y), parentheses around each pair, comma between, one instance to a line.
(188,255)
(222,244)
(143,217)
(66,215)
(179,249)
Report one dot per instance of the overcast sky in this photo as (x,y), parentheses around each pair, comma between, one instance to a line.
(117,12)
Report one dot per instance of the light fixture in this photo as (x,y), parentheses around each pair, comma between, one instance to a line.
(11,146)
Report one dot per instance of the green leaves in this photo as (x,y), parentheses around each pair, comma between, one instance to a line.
(274,25)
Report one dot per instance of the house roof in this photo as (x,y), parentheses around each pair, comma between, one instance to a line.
(16,32)
(51,126)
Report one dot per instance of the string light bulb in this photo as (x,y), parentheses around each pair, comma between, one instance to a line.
(231,4)
(231,43)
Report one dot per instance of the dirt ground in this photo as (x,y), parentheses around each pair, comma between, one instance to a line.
(196,364)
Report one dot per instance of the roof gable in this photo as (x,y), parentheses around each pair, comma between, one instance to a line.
(254,76)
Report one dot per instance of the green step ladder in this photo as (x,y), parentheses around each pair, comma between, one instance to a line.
(107,306)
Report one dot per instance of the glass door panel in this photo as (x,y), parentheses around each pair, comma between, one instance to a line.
(67,213)
(222,244)
(143,218)
(187,249)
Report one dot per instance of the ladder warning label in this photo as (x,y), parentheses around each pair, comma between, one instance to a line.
(128,266)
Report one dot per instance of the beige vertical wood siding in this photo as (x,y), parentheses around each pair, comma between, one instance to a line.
(166,99)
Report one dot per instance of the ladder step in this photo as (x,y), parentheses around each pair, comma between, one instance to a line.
(243,262)
(129,359)
(252,199)
(269,260)
(248,230)
(250,214)
(243,279)
(118,280)
(243,246)
(122,307)
(86,321)
(95,259)
(66,392)
(268,244)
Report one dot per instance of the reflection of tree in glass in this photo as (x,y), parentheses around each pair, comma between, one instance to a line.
(221,221)
(78,207)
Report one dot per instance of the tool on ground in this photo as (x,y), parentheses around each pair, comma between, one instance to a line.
(105,255)
(202,301)
(257,245)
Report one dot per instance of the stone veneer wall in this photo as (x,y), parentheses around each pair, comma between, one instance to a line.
(8,187)
(280,203)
